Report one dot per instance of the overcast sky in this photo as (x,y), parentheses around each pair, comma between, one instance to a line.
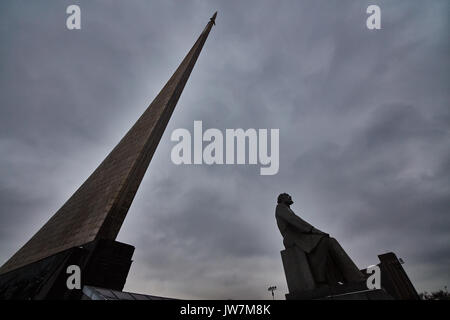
(363,115)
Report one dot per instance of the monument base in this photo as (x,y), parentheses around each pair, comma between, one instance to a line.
(350,291)
(103,263)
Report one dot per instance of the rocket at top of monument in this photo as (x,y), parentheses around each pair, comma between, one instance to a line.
(213,18)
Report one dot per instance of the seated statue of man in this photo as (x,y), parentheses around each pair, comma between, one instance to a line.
(329,263)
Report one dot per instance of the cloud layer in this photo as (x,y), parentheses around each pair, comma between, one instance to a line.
(363,117)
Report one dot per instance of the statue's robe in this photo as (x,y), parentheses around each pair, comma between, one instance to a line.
(295,230)
(328,261)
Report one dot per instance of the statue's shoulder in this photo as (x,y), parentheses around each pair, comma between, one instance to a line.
(277,209)
(280,209)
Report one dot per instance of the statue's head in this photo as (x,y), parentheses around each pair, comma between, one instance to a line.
(285,198)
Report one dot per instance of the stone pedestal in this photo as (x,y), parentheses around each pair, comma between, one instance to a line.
(302,286)
(296,268)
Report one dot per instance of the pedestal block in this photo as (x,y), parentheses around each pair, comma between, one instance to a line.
(296,268)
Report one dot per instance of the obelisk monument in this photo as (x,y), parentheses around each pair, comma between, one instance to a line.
(98,208)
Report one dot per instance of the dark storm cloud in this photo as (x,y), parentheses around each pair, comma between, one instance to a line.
(363,117)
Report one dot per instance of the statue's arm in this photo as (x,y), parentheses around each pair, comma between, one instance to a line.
(298,223)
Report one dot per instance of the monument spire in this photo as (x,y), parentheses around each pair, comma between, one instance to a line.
(99,206)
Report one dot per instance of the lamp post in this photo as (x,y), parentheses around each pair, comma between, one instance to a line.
(272,289)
